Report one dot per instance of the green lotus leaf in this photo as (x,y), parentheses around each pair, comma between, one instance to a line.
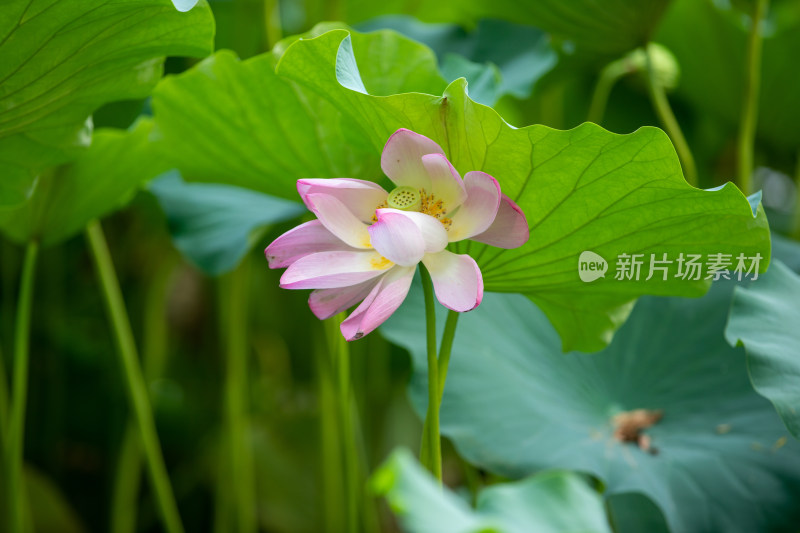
(267,131)
(718,459)
(213,225)
(612,27)
(102,179)
(521,54)
(584,189)
(62,60)
(764,318)
(552,502)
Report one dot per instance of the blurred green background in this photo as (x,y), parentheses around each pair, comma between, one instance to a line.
(78,419)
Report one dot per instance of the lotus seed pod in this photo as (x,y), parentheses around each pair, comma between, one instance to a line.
(667,69)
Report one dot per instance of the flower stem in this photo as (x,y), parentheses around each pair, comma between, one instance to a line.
(272,22)
(431,448)
(752,85)
(134,380)
(3,403)
(340,353)
(609,76)
(127,478)
(446,348)
(15,442)
(331,440)
(234,316)
(667,117)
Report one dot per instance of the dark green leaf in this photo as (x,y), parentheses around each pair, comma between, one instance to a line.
(64,59)
(522,54)
(267,132)
(513,404)
(553,502)
(214,226)
(634,512)
(612,27)
(765,317)
(103,178)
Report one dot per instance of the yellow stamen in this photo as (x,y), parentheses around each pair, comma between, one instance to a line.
(380,263)
(428,204)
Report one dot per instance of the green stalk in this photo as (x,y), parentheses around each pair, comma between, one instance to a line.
(446,348)
(15,443)
(272,22)
(602,90)
(6,309)
(3,402)
(127,478)
(431,448)
(670,123)
(334,500)
(134,380)
(127,481)
(340,352)
(752,85)
(233,297)
(223,499)
(473,481)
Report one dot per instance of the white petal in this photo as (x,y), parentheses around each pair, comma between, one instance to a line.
(446,183)
(305,239)
(383,300)
(360,197)
(325,303)
(339,220)
(509,229)
(401,159)
(327,270)
(477,213)
(433,232)
(397,238)
(457,280)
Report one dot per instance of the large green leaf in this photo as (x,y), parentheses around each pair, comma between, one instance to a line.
(553,502)
(633,512)
(268,132)
(764,318)
(213,225)
(514,404)
(609,27)
(583,189)
(63,59)
(100,180)
(522,54)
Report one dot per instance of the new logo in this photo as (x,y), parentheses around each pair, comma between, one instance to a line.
(591,266)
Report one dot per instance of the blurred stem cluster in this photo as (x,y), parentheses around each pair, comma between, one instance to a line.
(15,438)
(752,86)
(134,380)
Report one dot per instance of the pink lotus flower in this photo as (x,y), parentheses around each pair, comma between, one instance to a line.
(365,244)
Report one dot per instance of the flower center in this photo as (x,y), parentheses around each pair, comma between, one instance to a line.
(405,198)
(408,198)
